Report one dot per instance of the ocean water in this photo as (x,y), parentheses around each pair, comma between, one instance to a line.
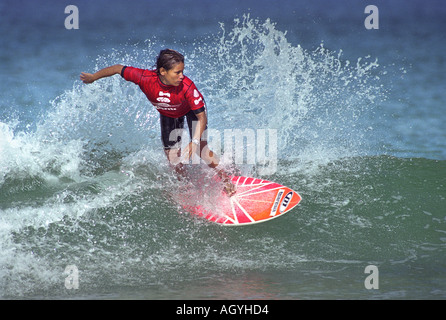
(359,114)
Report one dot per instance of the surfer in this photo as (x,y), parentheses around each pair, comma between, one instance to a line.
(176,97)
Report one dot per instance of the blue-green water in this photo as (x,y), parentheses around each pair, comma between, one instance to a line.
(359,116)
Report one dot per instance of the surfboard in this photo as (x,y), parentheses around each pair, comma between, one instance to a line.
(256,200)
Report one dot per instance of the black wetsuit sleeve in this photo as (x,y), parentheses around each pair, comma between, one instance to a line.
(203,108)
(122,71)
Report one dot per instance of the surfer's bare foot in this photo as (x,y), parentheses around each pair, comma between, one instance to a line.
(180,172)
(229,187)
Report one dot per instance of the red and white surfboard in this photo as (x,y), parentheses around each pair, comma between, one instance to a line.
(255,201)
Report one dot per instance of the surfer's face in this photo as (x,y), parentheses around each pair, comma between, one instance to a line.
(173,76)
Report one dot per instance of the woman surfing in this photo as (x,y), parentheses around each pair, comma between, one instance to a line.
(176,97)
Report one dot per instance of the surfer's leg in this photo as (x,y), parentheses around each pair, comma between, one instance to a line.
(209,157)
(171,132)
(206,154)
(212,160)
(174,158)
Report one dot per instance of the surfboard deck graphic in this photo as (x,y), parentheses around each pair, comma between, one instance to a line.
(255,201)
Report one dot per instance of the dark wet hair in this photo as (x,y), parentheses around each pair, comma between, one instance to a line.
(167,59)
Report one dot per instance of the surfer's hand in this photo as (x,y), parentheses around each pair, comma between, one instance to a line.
(87,77)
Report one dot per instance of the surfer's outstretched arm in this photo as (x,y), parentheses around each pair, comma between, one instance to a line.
(106,72)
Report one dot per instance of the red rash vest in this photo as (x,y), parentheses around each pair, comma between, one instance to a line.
(170,101)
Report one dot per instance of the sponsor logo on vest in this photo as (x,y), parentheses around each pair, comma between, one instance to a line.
(197,95)
(161,99)
(198,101)
(162,96)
